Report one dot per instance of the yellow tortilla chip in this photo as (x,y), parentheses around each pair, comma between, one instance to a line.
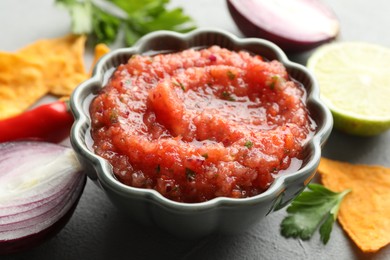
(49,66)
(63,61)
(21,84)
(100,50)
(365,212)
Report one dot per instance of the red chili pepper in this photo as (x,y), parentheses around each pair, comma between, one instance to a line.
(49,122)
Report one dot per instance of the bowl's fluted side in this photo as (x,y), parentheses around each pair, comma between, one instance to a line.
(221,214)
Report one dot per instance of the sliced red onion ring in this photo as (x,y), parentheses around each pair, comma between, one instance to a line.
(40,186)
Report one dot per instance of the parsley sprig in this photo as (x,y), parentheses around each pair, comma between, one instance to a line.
(105,19)
(316,207)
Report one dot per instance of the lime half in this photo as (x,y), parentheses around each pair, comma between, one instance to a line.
(354,80)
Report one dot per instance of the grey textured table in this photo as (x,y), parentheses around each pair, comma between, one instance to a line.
(97,230)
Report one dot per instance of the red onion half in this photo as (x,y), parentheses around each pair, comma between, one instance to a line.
(293,25)
(40,185)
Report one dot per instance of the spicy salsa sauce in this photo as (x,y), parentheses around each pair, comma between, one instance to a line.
(200,124)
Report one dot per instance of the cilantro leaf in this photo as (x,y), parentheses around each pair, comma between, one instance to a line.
(104,20)
(316,207)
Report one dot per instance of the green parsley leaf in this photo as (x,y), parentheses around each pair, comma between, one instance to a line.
(248,144)
(274,80)
(158,168)
(190,174)
(104,20)
(227,96)
(180,85)
(315,207)
(80,13)
(231,75)
(114,116)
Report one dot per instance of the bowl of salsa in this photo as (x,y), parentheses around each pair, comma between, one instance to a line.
(201,132)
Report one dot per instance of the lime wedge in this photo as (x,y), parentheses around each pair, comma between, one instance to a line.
(354,80)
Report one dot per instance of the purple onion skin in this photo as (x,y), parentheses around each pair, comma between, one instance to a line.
(29,242)
(249,29)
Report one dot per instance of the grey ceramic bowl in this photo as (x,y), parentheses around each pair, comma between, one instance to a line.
(226,215)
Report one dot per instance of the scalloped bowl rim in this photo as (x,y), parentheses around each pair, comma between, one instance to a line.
(104,169)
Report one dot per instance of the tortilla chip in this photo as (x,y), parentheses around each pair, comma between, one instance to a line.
(21,84)
(100,50)
(365,212)
(50,66)
(63,61)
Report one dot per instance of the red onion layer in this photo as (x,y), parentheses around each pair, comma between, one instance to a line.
(40,185)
